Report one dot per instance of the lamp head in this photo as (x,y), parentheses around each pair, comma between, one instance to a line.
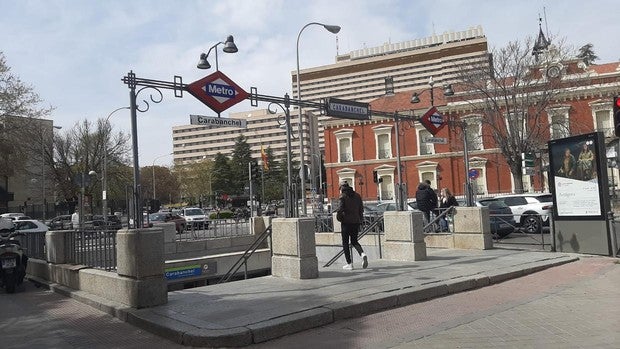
(332,28)
(229,45)
(92,173)
(415,98)
(447,90)
(203,63)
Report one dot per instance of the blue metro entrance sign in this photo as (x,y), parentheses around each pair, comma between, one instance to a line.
(217,91)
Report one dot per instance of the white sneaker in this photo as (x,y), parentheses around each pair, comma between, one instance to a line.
(365,261)
(348,267)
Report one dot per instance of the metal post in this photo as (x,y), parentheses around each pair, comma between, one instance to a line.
(399,174)
(251,189)
(104,182)
(137,205)
(612,232)
(468,189)
(82,202)
(289,166)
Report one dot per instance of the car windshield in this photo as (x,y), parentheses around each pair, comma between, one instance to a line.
(495,204)
(194,212)
(157,217)
(545,198)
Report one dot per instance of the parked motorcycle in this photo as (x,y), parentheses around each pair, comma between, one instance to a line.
(13,260)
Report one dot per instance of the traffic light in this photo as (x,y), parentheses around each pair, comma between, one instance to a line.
(254,170)
(527,161)
(617,115)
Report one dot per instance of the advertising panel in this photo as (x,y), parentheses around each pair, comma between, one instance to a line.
(577,177)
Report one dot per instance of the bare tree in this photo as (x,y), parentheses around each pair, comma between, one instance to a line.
(511,98)
(18,105)
(81,150)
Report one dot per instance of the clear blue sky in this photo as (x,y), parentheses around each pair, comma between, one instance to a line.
(75,53)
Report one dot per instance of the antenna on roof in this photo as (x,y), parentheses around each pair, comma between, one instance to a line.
(546,24)
(336,45)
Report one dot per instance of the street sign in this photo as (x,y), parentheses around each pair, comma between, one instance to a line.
(474,173)
(433,121)
(436,140)
(341,108)
(213,121)
(217,91)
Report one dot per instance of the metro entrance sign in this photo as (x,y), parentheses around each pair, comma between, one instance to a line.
(433,121)
(217,91)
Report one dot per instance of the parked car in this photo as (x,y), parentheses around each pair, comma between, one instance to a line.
(11,215)
(163,217)
(96,222)
(500,217)
(30,226)
(62,222)
(531,210)
(195,217)
(391,206)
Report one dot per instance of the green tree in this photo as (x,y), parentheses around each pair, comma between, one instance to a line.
(586,54)
(222,175)
(166,184)
(196,181)
(241,156)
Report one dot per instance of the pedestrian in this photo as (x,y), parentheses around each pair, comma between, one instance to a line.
(447,200)
(75,219)
(350,214)
(426,199)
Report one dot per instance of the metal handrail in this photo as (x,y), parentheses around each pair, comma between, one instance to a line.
(436,219)
(243,260)
(366,231)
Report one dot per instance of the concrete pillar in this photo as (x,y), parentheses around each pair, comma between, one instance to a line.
(294,248)
(472,229)
(404,236)
(140,257)
(56,249)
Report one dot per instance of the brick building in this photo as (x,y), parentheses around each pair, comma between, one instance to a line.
(357,150)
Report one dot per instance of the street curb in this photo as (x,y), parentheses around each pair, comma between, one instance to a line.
(191,335)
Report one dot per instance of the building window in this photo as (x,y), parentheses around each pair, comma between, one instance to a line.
(344,141)
(383,139)
(423,147)
(558,119)
(427,170)
(474,133)
(385,187)
(601,113)
(479,183)
(347,175)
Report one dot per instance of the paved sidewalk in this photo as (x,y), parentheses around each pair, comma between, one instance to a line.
(256,310)
(575,305)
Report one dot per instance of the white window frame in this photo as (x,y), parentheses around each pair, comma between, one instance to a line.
(388,174)
(429,146)
(347,174)
(380,131)
(604,108)
(474,122)
(342,135)
(562,111)
(481,183)
(428,167)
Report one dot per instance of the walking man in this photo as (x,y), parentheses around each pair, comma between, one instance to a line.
(426,199)
(350,214)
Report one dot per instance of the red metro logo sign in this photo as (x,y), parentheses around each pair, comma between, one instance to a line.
(217,91)
(433,121)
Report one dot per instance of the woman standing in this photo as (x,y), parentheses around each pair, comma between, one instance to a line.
(447,200)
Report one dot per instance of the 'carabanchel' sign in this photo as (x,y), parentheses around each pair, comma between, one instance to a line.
(217,122)
(341,108)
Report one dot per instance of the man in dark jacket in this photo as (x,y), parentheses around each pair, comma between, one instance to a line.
(352,210)
(426,199)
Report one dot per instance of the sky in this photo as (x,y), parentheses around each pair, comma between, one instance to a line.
(74,53)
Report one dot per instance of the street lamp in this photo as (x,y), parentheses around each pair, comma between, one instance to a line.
(82,193)
(286,123)
(153,167)
(43,199)
(104,182)
(447,91)
(333,29)
(229,47)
